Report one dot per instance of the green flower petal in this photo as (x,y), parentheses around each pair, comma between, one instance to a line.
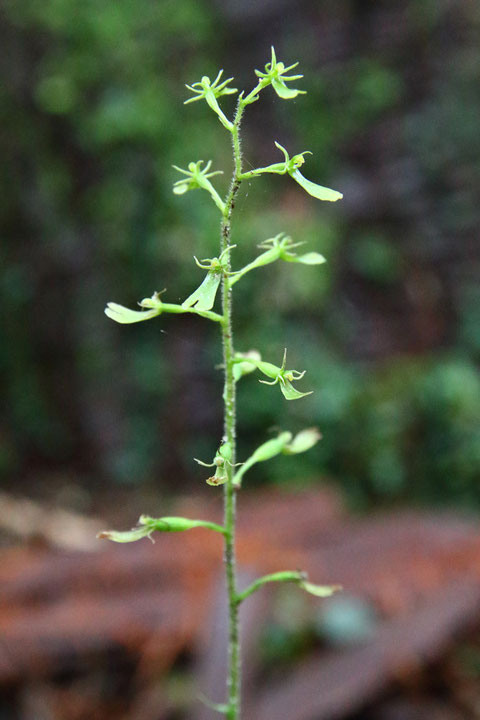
(283,91)
(289,392)
(204,296)
(125,316)
(317,191)
(310,258)
(319,590)
(181,188)
(125,537)
(303,441)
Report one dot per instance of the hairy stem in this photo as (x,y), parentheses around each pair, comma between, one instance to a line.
(233,678)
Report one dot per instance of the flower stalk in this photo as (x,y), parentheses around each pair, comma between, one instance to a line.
(235,364)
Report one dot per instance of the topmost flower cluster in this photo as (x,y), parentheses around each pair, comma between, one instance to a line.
(275,75)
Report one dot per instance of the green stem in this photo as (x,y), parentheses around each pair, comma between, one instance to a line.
(233,678)
(215,196)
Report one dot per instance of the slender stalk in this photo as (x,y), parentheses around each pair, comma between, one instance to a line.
(234,671)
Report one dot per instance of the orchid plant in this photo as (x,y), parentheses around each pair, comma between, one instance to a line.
(226,471)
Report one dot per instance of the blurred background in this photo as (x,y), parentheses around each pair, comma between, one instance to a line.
(98,419)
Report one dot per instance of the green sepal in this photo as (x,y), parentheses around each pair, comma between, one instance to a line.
(317,191)
(203,298)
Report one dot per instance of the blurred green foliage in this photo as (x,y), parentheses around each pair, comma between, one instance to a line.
(92,117)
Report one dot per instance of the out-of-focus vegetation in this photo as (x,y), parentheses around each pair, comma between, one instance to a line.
(92,119)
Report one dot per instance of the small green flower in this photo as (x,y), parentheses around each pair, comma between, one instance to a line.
(291,166)
(284,443)
(277,248)
(152,307)
(203,298)
(198,177)
(284,246)
(222,459)
(275,75)
(283,377)
(125,316)
(278,374)
(206,90)
(147,525)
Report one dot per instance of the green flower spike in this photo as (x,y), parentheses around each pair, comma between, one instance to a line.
(275,75)
(278,374)
(196,177)
(206,90)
